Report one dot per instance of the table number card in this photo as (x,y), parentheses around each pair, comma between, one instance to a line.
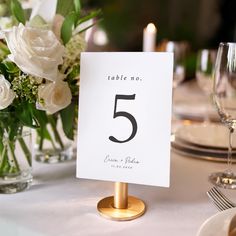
(125,117)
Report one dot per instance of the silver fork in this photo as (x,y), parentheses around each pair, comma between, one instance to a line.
(219,199)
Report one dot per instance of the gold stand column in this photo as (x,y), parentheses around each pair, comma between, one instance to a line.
(121,207)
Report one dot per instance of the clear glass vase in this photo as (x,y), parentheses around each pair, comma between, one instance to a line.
(15,159)
(51,144)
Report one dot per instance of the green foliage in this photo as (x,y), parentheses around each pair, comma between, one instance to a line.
(4,49)
(40,117)
(24,113)
(91,15)
(9,123)
(67,27)
(25,87)
(68,117)
(72,20)
(17,11)
(77,5)
(3,70)
(10,131)
(20,112)
(10,67)
(72,79)
(9,70)
(64,7)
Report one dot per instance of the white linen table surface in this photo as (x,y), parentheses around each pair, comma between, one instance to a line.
(58,204)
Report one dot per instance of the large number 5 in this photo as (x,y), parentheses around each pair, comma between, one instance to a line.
(127,115)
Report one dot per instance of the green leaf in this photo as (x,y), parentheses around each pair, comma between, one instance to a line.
(26,118)
(67,27)
(3,70)
(53,122)
(4,48)
(46,134)
(11,67)
(18,11)
(40,117)
(1,141)
(13,131)
(93,14)
(5,166)
(77,6)
(64,7)
(68,117)
(25,115)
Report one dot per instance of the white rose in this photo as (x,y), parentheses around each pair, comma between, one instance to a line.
(7,95)
(54,96)
(35,51)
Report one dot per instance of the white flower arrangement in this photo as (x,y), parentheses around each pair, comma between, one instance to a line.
(40,60)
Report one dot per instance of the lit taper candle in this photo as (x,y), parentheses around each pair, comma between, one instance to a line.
(149,38)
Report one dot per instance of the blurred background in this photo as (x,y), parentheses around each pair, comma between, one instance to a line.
(200,23)
(191,24)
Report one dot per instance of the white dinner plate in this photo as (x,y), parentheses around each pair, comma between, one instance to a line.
(204,155)
(200,156)
(218,224)
(211,135)
(194,110)
(203,149)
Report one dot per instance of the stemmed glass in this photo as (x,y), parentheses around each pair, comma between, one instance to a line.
(204,68)
(224,96)
(179,49)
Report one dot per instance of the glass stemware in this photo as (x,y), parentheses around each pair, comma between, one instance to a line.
(204,68)
(224,96)
(179,49)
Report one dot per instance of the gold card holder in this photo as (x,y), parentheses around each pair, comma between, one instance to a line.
(121,207)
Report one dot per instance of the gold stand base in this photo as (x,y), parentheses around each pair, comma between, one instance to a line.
(135,209)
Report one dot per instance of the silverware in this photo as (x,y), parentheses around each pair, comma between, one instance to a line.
(219,199)
(232,227)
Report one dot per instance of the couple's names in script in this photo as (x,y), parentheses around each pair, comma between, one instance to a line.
(123,78)
(121,163)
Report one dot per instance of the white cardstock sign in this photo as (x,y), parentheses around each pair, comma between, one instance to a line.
(125,117)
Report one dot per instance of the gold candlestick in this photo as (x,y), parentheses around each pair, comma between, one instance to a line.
(121,207)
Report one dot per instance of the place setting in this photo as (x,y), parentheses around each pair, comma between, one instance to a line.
(223,222)
(215,142)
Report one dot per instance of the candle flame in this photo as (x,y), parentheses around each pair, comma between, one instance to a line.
(151,27)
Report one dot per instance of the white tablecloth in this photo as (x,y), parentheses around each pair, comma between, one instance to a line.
(58,204)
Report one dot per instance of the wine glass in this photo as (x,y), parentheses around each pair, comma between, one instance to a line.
(224,96)
(179,49)
(204,68)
